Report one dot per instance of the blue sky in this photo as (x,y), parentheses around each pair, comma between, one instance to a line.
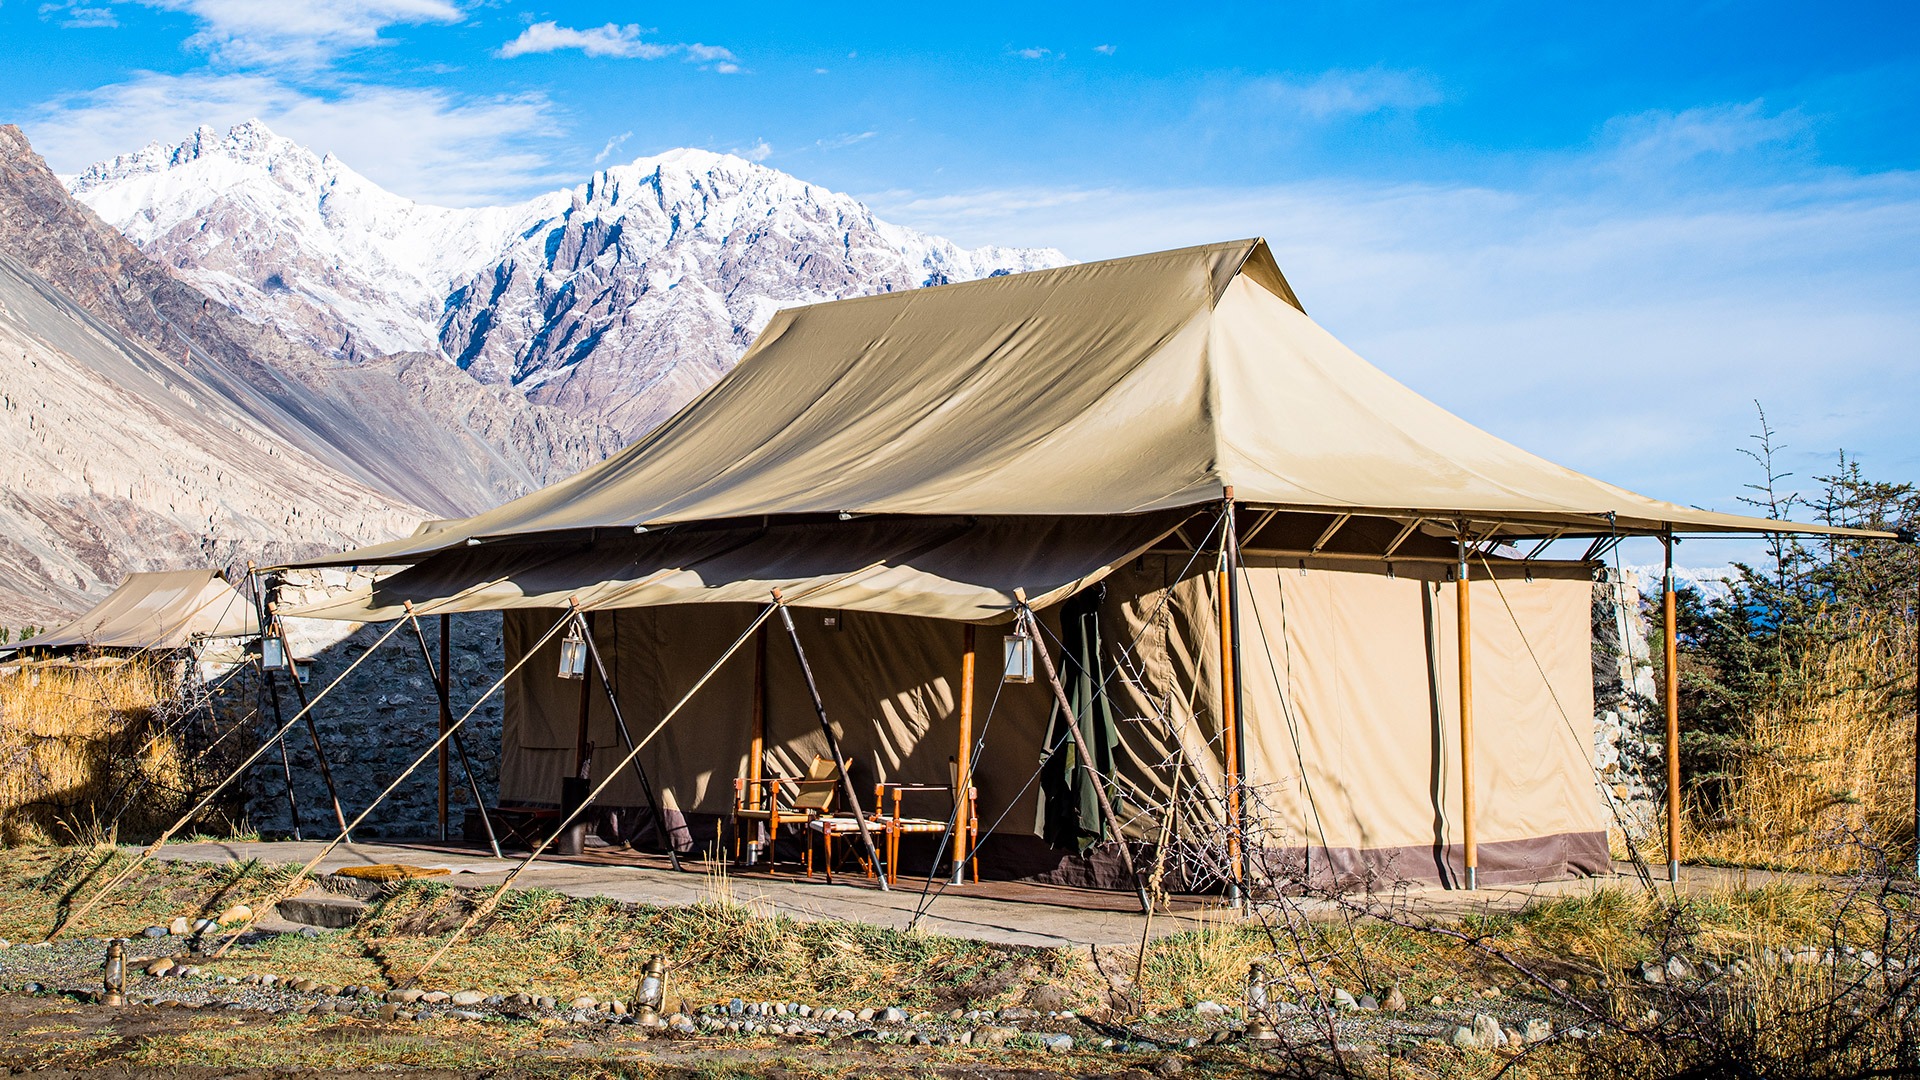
(1601,231)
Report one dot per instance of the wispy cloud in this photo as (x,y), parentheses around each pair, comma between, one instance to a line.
(614,40)
(304,32)
(761,150)
(841,141)
(1033,53)
(613,144)
(1334,94)
(1105,50)
(78,15)
(426,144)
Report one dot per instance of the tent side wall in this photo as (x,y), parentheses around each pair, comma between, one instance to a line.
(1351,687)
(1348,685)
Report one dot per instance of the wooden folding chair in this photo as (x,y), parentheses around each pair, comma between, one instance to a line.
(779,800)
(898,823)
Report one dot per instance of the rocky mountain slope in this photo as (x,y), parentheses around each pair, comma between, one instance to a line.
(149,426)
(617,300)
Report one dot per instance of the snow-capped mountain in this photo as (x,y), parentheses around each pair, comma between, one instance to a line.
(618,299)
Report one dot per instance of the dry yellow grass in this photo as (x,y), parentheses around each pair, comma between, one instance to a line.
(76,740)
(1831,775)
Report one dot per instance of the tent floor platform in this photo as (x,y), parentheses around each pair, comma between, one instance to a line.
(1010,913)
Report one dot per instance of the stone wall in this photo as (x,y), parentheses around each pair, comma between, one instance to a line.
(1628,726)
(376,721)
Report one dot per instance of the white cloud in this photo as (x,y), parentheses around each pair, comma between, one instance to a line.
(1334,94)
(612,145)
(613,40)
(1033,53)
(1105,50)
(77,15)
(759,151)
(426,144)
(303,32)
(844,140)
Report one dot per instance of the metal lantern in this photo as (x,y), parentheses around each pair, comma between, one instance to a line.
(652,996)
(1019,667)
(573,654)
(114,984)
(273,654)
(1259,1028)
(302,670)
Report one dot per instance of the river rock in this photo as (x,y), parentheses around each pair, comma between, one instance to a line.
(154,932)
(435,997)
(1395,1001)
(1463,1039)
(1537,1030)
(1057,1044)
(1209,1009)
(1487,1032)
(238,913)
(180,927)
(993,1036)
(468,997)
(1679,968)
(160,967)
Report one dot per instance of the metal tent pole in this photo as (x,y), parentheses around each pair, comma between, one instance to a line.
(833,744)
(443,682)
(626,737)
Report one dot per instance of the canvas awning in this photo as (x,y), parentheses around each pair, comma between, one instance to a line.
(158,611)
(944,568)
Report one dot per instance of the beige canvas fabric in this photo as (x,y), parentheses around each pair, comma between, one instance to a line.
(1097,389)
(1352,720)
(165,610)
(943,568)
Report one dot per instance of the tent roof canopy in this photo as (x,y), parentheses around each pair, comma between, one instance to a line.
(158,611)
(1097,391)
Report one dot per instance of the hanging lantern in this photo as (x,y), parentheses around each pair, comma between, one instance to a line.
(273,654)
(302,670)
(1019,667)
(573,654)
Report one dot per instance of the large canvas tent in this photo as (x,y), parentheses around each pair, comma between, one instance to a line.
(157,612)
(1246,544)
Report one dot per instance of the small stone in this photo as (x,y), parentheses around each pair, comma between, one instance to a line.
(736,1007)
(618,1008)
(1170,1066)
(329,989)
(1652,973)
(1463,1039)
(389,1011)
(306,986)
(1057,1044)
(1561,985)
(1017,1013)
(465,1014)
(891,1015)
(1207,1008)
(1395,1001)
(180,927)
(584,1001)
(863,1015)
(238,913)
(1343,1000)
(1680,969)
(1368,1003)
(1047,998)
(1487,1032)
(1537,1031)
(992,1036)
(1436,1001)
(160,967)
(154,932)
(545,1002)
(435,997)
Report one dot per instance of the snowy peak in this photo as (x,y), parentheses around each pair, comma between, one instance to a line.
(617,299)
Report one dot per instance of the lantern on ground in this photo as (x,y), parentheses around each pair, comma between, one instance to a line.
(652,995)
(573,653)
(1259,1028)
(1019,654)
(115,981)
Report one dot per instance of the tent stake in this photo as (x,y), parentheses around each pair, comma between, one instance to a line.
(493,899)
(620,725)
(963,773)
(1668,603)
(1086,757)
(313,730)
(1464,604)
(441,678)
(833,744)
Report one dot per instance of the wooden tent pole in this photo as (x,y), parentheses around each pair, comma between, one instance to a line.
(757,749)
(1668,603)
(963,775)
(1230,699)
(1463,603)
(445,686)
(833,744)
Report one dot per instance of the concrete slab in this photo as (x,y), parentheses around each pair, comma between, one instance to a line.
(951,911)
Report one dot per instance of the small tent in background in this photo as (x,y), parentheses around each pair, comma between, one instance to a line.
(1258,538)
(157,612)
